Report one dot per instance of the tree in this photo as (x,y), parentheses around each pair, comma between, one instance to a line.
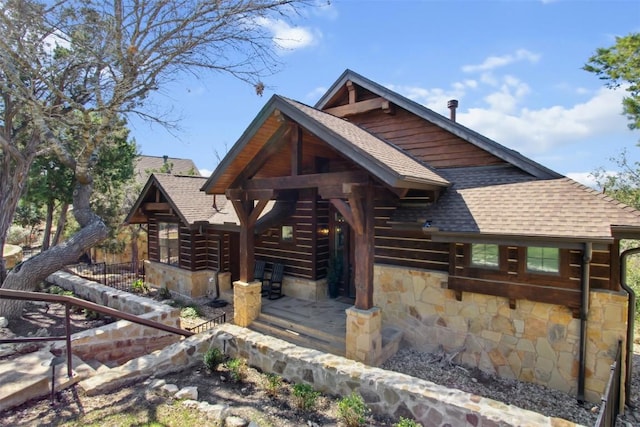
(619,65)
(63,63)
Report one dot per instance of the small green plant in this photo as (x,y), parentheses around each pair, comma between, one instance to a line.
(139,287)
(406,422)
(164,293)
(90,314)
(305,397)
(352,410)
(237,369)
(213,358)
(272,384)
(190,311)
(55,289)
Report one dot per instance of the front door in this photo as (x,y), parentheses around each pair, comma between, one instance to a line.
(342,253)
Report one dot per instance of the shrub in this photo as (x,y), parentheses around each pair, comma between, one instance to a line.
(406,422)
(237,369)
(272,385)
(190,311)
(139,287)
(213,358)
(55,289)
(305,396)
(352,410)
(164,293)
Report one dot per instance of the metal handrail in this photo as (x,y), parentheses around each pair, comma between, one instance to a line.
(68,301)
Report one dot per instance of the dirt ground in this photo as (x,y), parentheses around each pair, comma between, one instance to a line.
(248,399)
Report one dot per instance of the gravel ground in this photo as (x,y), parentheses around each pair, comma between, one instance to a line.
(529,396)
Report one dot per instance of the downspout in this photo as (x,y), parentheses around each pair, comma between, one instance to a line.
(584,312)
(630,320)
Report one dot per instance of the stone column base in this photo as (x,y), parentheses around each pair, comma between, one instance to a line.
(247,302)
(364,335)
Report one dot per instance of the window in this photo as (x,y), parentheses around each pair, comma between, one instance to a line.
(168,242)
(485,255)
(543,260)
(287,233)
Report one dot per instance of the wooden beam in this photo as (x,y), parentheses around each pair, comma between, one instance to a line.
(306,181)
(344,209)
(365,252)
(361,107)
(356,196)
(156,206)
(257,210)
(270,148)
(353,94)
(296,149)
(242,195)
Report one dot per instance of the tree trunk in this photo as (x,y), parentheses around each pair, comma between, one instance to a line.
(46,239)
(62,221)
(27,275)
(134,246)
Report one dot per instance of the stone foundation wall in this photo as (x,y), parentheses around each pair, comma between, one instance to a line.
(191,284)
(122,340)
(534,342)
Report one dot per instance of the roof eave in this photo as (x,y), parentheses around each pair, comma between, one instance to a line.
(576,242)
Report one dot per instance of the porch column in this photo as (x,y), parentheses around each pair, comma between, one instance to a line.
(247,302)
(364,335)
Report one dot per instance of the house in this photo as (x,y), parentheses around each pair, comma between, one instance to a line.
(134,240)
(454,239)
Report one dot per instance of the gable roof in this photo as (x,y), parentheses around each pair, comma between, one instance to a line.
(382,159)
(508,155)
(145,164)
(187,201)
(505,201)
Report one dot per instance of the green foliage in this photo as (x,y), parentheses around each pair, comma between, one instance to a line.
(191,312)
(237,369)
(213,358)
(272,384)
(164,293)
(57,290)
(406,422)
(352,410)
(138,286)
(17,235)
(90,314)
(305,397)
(619,65)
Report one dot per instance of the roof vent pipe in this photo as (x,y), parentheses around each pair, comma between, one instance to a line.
(452,105)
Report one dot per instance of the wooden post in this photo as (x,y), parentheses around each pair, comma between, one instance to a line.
(365,250)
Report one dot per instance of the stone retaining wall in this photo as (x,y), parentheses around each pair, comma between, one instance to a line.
(535,342)
(120,341)
(12,255)
(384,392)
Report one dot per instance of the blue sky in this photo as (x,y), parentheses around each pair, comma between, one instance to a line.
(514,66)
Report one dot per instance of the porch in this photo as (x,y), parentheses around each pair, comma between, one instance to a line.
(321,325)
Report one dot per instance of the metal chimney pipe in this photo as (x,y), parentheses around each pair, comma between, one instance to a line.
(452,105)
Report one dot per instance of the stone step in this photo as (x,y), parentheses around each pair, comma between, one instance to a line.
(292,325)
(391,338)
(334,347)
(28,377)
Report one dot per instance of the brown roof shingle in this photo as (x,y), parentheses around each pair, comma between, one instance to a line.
(505,201)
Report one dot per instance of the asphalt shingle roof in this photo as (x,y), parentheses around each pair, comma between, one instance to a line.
(509,202)
(193,205)
(151,164)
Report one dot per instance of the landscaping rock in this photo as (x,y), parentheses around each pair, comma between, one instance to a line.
(188,393)
(235,422)
(170,388)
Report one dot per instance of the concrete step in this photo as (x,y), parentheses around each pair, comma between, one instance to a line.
(391,338)
(292,325)
(28,377)
(318,342)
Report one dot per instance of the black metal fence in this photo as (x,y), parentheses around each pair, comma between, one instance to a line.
(126,276)
(204,326)
(610,405)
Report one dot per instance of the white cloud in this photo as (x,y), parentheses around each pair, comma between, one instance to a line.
(287,37)
(493,62)
(536,131)
(316,93)
(205,172)
(507,98)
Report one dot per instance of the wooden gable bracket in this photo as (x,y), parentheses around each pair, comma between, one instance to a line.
(156,207)
(360,107)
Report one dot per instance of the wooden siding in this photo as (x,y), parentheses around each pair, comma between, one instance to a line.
(298,255)
(511,279)
(406,248)
(424,140)
(152,240)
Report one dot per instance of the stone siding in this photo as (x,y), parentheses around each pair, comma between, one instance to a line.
(534,342)
(120,341)
(187,283)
